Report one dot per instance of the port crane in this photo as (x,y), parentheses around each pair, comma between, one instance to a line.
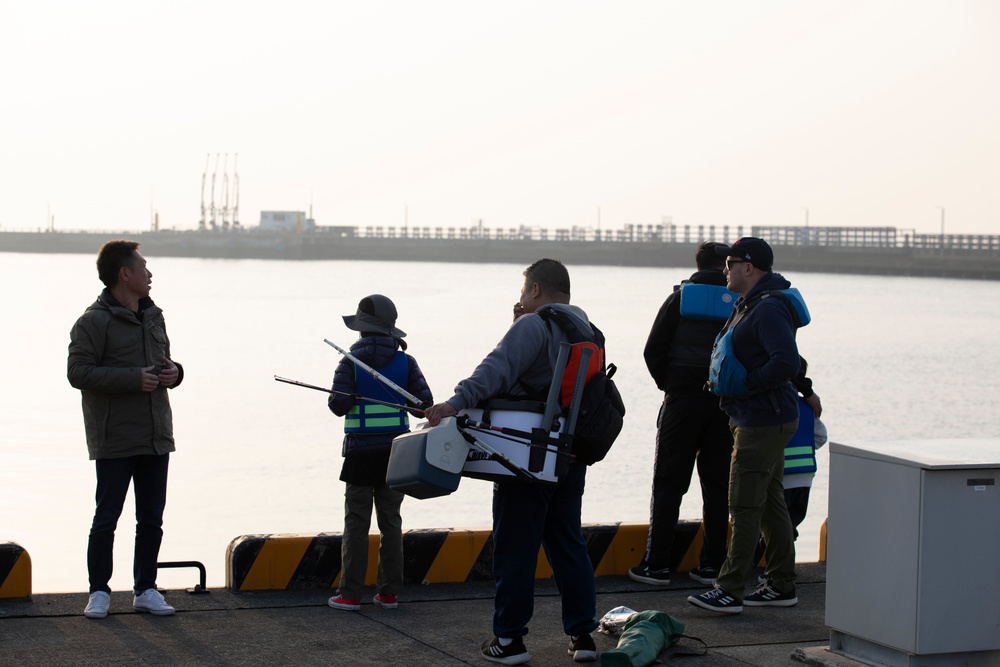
(236,188)
(225,193)
(212,216)
(204,176)
(215,211)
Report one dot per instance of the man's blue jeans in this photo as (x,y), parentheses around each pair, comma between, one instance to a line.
(525,518)
(148,475)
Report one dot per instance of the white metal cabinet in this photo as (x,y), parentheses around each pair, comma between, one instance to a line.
(913,551)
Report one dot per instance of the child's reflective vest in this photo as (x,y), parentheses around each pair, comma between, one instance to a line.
(367,417)
(800,452)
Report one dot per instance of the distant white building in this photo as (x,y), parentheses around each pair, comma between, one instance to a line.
(286,221)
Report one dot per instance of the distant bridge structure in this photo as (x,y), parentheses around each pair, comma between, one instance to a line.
(857,250)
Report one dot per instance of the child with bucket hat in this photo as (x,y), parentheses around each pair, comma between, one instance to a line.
(369,429)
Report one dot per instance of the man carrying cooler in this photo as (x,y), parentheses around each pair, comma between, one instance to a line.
(529,516)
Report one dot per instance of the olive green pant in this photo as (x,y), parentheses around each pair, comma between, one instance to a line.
(757,506)
(354,546)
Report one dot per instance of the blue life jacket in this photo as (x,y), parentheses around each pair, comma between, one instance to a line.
(800,452)
(367,417)
(726,375)
(707,302)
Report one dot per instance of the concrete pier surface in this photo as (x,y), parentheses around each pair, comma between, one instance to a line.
(439,624)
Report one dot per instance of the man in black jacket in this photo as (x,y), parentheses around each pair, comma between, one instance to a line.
(752,368)
(690,427)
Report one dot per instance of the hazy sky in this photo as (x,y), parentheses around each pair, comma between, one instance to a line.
(739,112)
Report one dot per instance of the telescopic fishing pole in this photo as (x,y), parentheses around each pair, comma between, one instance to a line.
(545,442)
(498,456)
(378,376)
(358,397)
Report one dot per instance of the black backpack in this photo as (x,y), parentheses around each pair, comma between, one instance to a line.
(602,410)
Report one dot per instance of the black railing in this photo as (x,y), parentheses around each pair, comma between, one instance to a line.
(198,588)
(839,237)
(836,237)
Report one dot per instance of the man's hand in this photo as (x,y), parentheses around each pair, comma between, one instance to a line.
(436,413)
(149,380)
(813,402)
(168,375)
(518,310)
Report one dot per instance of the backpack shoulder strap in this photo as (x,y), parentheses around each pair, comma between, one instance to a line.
(577,339)
(570,326)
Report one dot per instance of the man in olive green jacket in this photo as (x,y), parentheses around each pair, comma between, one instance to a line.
(119,359)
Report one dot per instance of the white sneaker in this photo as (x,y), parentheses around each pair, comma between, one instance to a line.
(150,600)
(97,606)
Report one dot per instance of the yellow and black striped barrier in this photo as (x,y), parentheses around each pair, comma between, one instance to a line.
(294,562)
(15,571)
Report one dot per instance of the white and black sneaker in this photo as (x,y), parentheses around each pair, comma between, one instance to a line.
(645,575)
(704,575)
(765,596)
(583,648)
(513,653)
(718,600)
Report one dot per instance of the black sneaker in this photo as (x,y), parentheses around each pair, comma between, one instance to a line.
(582,648)
(704,575)
(643,574)
(765,596)
(717,600)
(513,653)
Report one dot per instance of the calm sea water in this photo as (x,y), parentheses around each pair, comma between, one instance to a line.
(891,358)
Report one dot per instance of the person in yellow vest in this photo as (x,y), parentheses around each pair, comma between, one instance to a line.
(800,453)
(800,457)
(369,429)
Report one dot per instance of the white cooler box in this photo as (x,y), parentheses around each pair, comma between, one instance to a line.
(427,463)
(538,461)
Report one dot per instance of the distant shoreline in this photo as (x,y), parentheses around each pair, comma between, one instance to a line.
(949,257)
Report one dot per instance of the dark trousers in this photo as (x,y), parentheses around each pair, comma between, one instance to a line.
(690,429)
(525,518)
(148,475)
(757,506)
(797,502)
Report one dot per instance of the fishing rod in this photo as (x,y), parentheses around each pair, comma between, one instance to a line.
(378,376)
(494,454)
(358,397)
(498,456)
(545,442)
(551,447)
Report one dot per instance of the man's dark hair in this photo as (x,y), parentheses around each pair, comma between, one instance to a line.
(112,256)
(550,274)
(707,258)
